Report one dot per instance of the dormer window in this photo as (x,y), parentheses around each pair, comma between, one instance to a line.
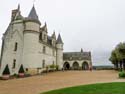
(40,36)
(15,47)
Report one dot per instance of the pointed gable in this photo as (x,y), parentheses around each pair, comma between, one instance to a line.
(33,14)
(59,40)
(54,35)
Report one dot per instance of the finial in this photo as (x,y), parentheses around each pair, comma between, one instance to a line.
(18,6)
(59,39)
(53,31)
(45,23)
(34,2)
(54,35)
(81,50)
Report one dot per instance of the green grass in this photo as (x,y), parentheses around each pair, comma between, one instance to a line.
(103,88)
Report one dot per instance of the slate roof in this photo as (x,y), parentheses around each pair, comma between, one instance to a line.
(77,56)
(59,40)
(33,14)
(49,40)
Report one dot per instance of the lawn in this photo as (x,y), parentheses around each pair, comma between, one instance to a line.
(101,88)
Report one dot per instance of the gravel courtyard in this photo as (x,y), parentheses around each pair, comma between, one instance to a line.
(55,80)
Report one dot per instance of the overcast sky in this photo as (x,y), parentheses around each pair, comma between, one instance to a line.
(94,25)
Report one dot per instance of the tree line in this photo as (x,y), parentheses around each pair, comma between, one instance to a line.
(118,56)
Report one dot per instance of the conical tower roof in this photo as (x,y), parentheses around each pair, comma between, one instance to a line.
(59,40)
(33,14)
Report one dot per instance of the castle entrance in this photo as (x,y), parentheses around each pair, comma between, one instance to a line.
(66,66)
(75,66)
(85,66)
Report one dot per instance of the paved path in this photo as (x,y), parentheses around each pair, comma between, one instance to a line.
(55,80)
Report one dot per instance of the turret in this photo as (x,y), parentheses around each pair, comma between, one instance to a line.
(16,14)
(43,33)
(31,38)
(53,38)
(13,43)
(32,22)
(59,46)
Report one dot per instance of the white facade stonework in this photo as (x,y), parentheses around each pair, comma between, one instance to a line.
(27,43)
(32,49)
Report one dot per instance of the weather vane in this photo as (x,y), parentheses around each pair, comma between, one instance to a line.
(34,1)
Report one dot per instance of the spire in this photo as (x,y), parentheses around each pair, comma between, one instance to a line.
(81,50)
(18,15)
(54,35)
(45,24)
(33,14)
(18,7)
(59,40)
(44,28)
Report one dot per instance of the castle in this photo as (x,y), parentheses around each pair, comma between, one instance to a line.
(27,43)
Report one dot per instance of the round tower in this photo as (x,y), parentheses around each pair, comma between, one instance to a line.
(59,53)
(31,39)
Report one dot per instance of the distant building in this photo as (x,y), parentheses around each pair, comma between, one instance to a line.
(77,60)
(27,43)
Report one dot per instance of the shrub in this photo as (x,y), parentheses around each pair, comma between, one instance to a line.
(6,70)
(122,74)
(52,66)
(15,75)
(21,70)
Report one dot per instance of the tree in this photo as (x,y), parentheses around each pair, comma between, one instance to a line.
(118,56)
(113,58)
(121,49)
(6,70)
(21,70)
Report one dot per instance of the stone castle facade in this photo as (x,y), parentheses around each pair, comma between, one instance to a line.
(27,43)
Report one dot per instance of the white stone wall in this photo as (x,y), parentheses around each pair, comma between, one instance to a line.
(59,55)
(15,34)
(48,56)
(33,54)
(32,26)
(29,49)
(33,51)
